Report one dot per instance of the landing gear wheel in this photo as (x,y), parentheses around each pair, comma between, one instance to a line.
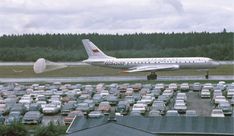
(207,75)
(152,76)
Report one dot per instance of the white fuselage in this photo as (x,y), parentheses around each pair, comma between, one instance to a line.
(182,62)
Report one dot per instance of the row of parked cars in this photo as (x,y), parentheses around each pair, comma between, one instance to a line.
(221,96)
(28,103)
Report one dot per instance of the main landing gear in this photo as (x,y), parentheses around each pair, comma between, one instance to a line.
(207,75)
(152,76)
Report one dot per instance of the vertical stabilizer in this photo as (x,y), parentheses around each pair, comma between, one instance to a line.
(93,51)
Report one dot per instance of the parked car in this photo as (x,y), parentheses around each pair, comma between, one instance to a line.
(154,113)
(32,117)
(67,108)
(197,86)
(18,107)
(4,109)
(50,109)
(123,107)
(159,106)
(217,113)
(35,107)
(180,107)
(191,113)
(95,114)
(139,107)
(130,99)
(2,119)
(184,87)
(205,93)
(105,107)
(226,107)
(232,101)
(14,116)
(230,93)
(135,113)
(84,107)
(172,113)
(68,119)
(112,99)
(97,98)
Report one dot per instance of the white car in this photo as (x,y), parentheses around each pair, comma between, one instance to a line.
(173,86)
(180,107)
(139,107)
(160,86)
(50,109)
(230,93)
(219,99)
(184,87)
(205,93)
(217,113)
(181,96)
(197,86)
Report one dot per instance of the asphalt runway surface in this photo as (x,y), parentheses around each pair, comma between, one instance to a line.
(117,78)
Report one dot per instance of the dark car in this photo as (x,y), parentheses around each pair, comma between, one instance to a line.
(112,99)
(2,119)
(123,107)
(14,116)
(32,117)
(35,107)
(67,108)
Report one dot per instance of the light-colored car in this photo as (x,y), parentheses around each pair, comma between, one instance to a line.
(50,109)
(159,86)
(173,86)
(205,93)
(197,86)
(217,113)
(219,99)
(139,107)
(191,113)
(208,86)
(230,93)
(232,101)
(181,96)
(180,107)
(184,87)
(154,113)
(172,113)
(147,99)
(95,114)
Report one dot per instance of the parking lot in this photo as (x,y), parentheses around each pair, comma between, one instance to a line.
(60,103)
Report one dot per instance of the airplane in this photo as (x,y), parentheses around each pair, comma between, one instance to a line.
(97,58)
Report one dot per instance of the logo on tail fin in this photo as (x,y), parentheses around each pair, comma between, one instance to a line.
(95,50)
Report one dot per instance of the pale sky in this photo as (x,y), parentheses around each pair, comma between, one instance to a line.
(115,16)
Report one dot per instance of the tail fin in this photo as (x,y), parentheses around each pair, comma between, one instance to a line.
(93,51)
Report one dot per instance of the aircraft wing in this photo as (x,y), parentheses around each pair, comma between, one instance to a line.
(152,68)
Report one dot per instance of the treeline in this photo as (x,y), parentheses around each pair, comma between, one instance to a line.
(68,47)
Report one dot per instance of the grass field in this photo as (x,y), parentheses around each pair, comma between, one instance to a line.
(77,71)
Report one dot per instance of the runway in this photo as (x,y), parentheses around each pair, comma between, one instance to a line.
(117,78)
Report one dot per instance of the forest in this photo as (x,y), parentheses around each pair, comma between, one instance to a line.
(68,47)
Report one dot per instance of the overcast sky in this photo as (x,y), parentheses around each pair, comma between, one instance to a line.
(115,16)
